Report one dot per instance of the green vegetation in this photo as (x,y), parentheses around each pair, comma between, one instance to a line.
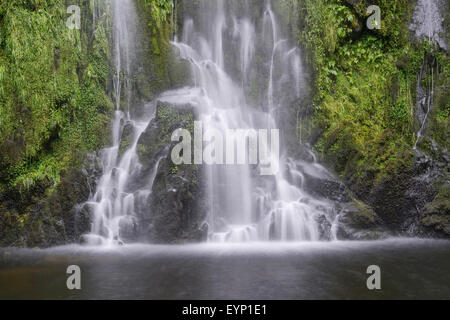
(366,86)
(438,212)
(174,170)
(56,105)
(167,120)
(159,12)
(439,124)
(157,69)
(53,84)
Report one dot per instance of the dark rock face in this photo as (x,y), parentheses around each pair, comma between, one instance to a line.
(33,218)
(436,215)
(177,215)
(357,221)
(127,136)
(83,218)
(414,201)
(128,229)
(327,188)
(158,68)
(430,191)
(176,210)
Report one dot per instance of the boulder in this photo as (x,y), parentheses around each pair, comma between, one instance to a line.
(175,211)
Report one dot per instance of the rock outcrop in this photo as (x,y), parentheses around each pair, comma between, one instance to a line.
(34,218)
(175,210)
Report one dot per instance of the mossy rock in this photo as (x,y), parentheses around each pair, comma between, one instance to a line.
(176,211)
(437,213)
(360,216)
(158,134)
(127,138)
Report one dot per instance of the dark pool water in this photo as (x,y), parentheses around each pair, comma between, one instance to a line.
(410,269)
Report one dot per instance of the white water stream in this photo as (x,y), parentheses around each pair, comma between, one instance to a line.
(231,54)
(242,207)
(427,24)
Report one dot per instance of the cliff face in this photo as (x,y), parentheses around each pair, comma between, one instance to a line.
(56,101)
(54,108)
(177,207)
(369,110)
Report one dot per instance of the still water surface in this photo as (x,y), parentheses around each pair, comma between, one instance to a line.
(411,269)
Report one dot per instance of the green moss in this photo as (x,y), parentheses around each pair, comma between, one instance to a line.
(440,115)
(154,49)
(366,82)
(363,216)
(52,94)
(440,204)
(167,119)
(174,170)
(437,213)
(438,223)
(159,10)
(127,139)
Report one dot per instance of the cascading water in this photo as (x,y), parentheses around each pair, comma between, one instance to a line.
(113,203)
(244,206)
(425,96)
(244,73)
(427,23)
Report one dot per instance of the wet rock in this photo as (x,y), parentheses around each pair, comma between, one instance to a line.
(400,198)
(327,188)
(357,221)
(128,229)
(83,220)
(35,219)
(346,233)
(324,228)
(175,211)
(155,141)
(360,216)
(127,138)
(436,215)
(176,203)
(91,240)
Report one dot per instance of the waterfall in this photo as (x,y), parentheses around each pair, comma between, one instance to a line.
(427,23)
(425,96)
(113,203)
(246,74)
(124,33)
(243,205)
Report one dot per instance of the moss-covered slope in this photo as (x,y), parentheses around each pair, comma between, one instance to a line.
(56,101)
(365,124)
